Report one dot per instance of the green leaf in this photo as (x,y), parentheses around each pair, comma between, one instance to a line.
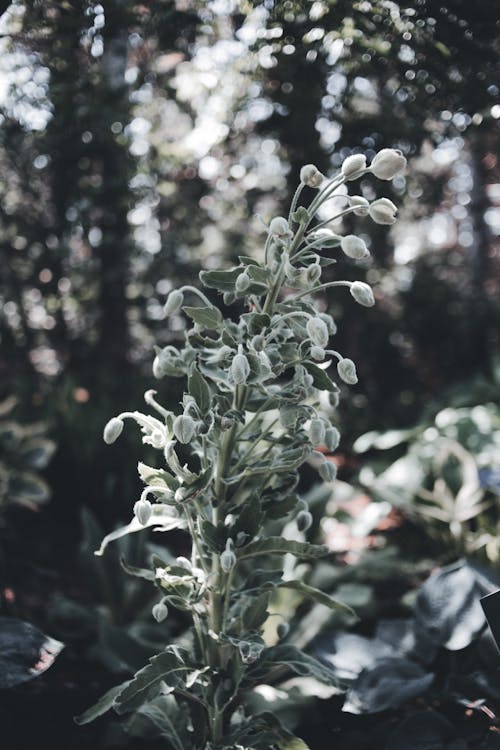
(296,661)
(321,380)
(249,519)
(276,545)
(160,477)
(103,705)
(214,537)
(162,522)
(255,614)
(223,281)
(132,570)
(256,322)
(206,317)
(300,215)
(157,715)
(248,261)
(199,390)
(316,594)
(168,667)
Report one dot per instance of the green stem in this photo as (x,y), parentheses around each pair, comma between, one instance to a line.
(322,286)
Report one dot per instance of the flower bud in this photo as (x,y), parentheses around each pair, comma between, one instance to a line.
(184,428)
(228,558)
(242,282)
(317,353)
(327,471)
(239,369)
(282,630)
(304,520)
(113,430)
(174,302)
(362,293)
(279,227)
(313,273)
(347,371)
(329,322)
(359,204)
(180,494)
(353,166)
(383,211)
(143,511)
(311,176)
(354,247)
(332,438)
(317,331)
(160,611)
(387,163)
(316,431)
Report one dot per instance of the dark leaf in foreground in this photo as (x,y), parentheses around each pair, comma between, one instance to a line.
(425,730)
(25,652)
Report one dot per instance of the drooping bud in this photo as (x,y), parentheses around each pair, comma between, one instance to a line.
(239,369)
(327,471)
(174,302)
(279,227)
(143,511)
(362,293)
(359,204)
(228,558)
(113,430)
(387,163)
(184,428)
(317,331)
(316,431)
(242,282)
(304,520)
(354,247)
(383,211)
(160,611)
(317,353)
(311,176)
(329,322)
(282,630)
(332,438)
(353,166)
(347,371)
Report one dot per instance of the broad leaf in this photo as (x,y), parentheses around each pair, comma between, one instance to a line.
(199,390)
(157,521)
(158,716)
(205,317)
(317,595)
(293,660)
(321,380)
(104,704)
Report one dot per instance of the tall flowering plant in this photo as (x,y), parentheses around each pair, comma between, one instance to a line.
(249,419)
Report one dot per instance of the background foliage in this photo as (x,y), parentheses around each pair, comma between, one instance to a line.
(137,142)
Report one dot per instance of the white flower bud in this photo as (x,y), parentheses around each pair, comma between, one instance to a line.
(279,227)
(327,471)
(282,630)
(332,438)
(113,430)
(180,494)
(184,428)
(160,611)
(383,211)
(362,293)
(311,176)
(143,511)
(387,163)
(354,247)
(242,282)
(174,302)
(329,322)
(317,331)
(347,371)
(353,166)
(228,558)
(316,431)
(239,369)
(304,520)
(360,203)
(317,353)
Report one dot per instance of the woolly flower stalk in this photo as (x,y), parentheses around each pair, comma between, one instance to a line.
(227,465)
